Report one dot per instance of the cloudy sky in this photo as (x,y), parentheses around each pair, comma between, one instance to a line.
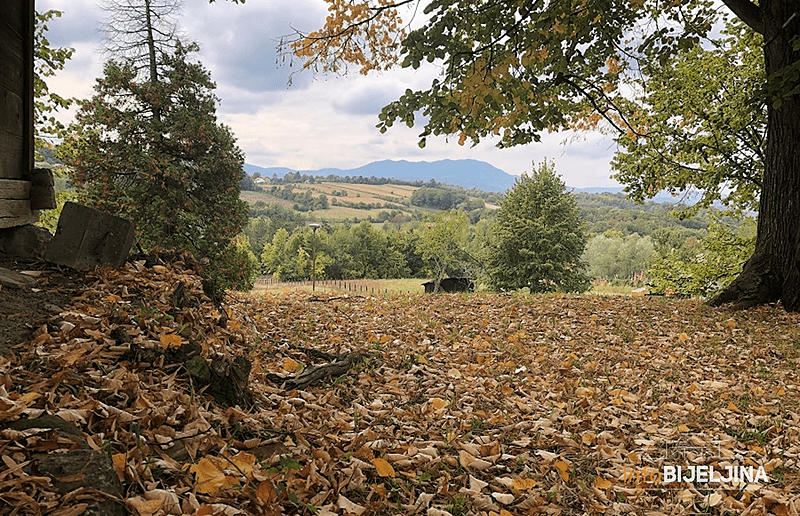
(317,121)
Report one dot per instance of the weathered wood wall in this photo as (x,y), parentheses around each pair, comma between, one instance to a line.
(16,112)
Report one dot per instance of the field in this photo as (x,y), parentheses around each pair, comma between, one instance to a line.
(395,404)
(360,286)
(342,194)
(390,286)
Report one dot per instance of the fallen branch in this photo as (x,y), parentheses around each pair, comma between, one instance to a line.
(318,373)
(329,299)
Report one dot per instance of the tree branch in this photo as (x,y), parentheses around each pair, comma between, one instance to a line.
(748,12)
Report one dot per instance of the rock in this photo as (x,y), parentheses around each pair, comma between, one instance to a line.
(77,469)
(24,242)
(86,237)
(85,469)
(12,279)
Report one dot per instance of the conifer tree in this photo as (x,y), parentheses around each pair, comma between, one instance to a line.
(155,154)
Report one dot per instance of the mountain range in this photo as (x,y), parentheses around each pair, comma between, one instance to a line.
(466,173)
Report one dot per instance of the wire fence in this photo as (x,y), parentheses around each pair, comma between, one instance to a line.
(363,286)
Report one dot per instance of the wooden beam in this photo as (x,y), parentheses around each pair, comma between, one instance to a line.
(12,189)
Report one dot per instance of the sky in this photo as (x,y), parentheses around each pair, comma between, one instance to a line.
(317,121)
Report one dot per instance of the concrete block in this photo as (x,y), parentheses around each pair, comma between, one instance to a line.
(86,237)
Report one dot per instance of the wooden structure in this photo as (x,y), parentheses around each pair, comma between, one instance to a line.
(23,189)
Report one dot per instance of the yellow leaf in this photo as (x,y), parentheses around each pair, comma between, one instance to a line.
(602,483)
(211,477)
(438,403)
(563,470)
(731,323)
(29,397)
(119,460)
(733,408)
(290,365)
(523,484)
(170,340)
(683,337)
(244,462)
(383,468)
(683,428)
(113,298)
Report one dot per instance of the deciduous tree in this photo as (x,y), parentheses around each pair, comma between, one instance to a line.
(48,61)
(516,69)
(443,241)
(537,238)
(701,124)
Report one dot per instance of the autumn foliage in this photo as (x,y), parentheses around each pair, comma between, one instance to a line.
(462,404)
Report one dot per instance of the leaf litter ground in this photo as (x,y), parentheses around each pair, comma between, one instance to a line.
(458,404)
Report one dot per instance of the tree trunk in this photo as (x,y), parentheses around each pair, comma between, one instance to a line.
(773,272)
(151,43)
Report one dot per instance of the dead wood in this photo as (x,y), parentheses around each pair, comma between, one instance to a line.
(338,366)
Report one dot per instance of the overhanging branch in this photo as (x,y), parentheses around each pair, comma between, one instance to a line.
(748,12)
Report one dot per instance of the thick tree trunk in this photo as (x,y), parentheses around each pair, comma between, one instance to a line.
(773,273)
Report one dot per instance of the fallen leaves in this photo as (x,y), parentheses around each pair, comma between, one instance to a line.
(491,405)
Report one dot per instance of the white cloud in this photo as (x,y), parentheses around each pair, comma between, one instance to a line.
(316,122)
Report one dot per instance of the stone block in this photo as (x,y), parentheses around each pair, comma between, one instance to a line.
(86,237)
(43,193)
(24,242)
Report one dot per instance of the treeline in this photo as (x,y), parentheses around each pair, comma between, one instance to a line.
(297,177)
(668,247)
(361,205)
(339,251)
(303,200)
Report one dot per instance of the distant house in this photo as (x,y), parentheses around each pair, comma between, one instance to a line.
(23,189)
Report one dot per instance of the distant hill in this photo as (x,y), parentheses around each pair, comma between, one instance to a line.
(466,173)
(661,197)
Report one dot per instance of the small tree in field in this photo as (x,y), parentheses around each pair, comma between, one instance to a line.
(442,242)
(153,152)
(537,238)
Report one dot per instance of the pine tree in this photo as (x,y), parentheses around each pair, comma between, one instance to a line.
(155,154)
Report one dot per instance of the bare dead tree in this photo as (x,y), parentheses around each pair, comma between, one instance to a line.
(140,30)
